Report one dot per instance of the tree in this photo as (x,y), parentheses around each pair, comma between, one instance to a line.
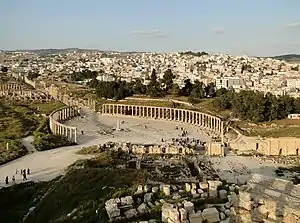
(210,90)
(188,87)
(33,75)
(139,87)
(167,79)
(4,69)
(175,90)
(93,83)
(153,87)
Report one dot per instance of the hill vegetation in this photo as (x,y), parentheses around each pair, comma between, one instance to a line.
(74,197)
(18,120)
(288,57)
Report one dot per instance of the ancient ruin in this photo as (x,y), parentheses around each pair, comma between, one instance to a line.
(58,128)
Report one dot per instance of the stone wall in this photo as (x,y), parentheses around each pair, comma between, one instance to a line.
(17,91)
(214,149)
(57,93)
(30,82)
(266,199)
(268,146)
(58,128)
(167,149)
(214,124)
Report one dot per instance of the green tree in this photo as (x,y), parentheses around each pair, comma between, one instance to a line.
(210,90)
(167,80)
(93,83)
(139,87)
(188,87)
(153,87)
(175,90)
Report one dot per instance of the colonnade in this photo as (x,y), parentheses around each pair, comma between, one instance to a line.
(9,87)
(215,124)
(57,128)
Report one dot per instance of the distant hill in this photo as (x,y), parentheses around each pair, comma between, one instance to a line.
(288,57)
(55,51)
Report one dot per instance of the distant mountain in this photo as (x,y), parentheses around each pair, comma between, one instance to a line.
(288,57)
(55,51)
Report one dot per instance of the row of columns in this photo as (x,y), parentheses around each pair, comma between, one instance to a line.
(171,114)
(5,87)
(58,128)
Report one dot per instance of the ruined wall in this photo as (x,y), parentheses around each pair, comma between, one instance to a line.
(58,128)
(57,93)
(15,91)
(167,149)
(269,146)
(30,82)
(215,149)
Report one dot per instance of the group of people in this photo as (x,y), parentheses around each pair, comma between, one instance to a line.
(23,172)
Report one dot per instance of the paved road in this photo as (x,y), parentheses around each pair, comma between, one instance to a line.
(28,143)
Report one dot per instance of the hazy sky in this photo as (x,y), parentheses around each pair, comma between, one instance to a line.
(252,27)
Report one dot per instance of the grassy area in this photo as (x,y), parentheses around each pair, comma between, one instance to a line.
(18,121)
(16,200)
(83,190)
(277,128)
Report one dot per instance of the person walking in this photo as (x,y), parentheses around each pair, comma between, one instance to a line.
(28,171)
(13,179)
(21,172)
(6,180)
(16,170)
(24,175)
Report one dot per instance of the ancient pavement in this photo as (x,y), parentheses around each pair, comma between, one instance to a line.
(97,129)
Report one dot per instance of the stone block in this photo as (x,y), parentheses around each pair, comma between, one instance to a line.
(183,214)
(189,206)
(193,191)
(187,187)
(223,194)
(200,191)
(211,215)
(155,189)
(196,218)
(142,208)
(166,190)
(244,196)
(203,185)
(148,197)
(131,213)
(194,186)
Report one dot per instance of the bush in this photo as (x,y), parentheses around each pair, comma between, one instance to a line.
(15,150)
(45,140)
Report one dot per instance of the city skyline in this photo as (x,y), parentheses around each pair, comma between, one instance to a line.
(253,28)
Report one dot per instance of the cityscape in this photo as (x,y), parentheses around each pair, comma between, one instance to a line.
(179,125)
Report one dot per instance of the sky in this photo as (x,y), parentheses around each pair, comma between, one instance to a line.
(237,27)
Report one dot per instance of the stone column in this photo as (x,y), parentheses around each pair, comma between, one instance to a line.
(75,135)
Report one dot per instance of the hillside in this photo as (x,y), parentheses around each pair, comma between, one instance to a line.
(82,191)
(288,57)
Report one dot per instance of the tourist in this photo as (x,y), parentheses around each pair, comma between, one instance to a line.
(6,180)
(81,132)
(28,171)
(13,179)
(24,175)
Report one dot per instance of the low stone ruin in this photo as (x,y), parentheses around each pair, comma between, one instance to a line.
(266,199)
(178,203)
